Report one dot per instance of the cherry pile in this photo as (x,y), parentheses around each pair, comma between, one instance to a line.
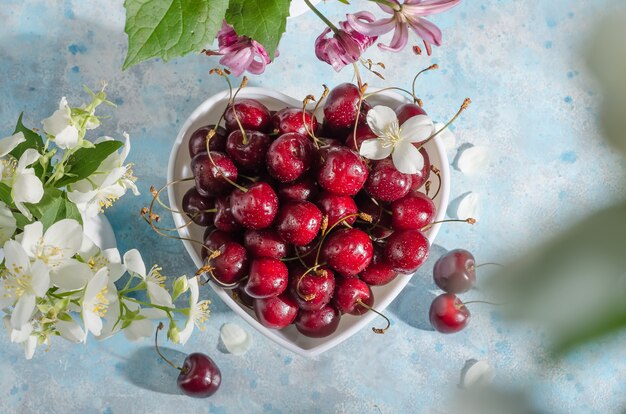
(298,224)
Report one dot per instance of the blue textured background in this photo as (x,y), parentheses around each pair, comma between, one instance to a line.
(534,107)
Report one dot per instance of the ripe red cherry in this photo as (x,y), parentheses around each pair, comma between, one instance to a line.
(380,227)
(224,219)
(199,376)
(294,120)
(318,323)
(348,251)
(419,179)
(253,115)
(249,156)
(386,183)
(215,238)
(209,175)
(304,189)
(413,212)
(265,243)
(197,141)
(337,207)
(344,172)
(342,109)
(406,250)
(455,271)
(289,157)
(298,222)
(276,313)
(448,314)
(196,207)
(256,207)
(240,295)
(316,288)
(363,133)
(232,264)
(407,111)
(350,293)
(267,278)
(308,253)
(379,272)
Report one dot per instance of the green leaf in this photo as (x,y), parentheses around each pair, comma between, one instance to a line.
(86,161)
(54,206)
(170,28)
(263,20)
(5,194)
(64,317)
(33,140)
(180,286)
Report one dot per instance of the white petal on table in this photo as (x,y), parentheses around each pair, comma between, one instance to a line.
(473,160)
(235,339)
(476,373)
(468,207)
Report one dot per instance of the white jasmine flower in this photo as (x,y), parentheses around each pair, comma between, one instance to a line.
(70,330)
(396,140)
(155,281)
(100,294)
(26,187)
(198,312)
(97,259)
(137,329)
(61,128)
(21,283)
(59,243)
(22,335)
(8,144)
(8,224)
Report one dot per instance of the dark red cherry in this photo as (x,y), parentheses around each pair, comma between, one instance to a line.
(348,251)
(344,172)
(419,179)
(215,238)
(248,153)
(256,207)
(209,173)
(289,157)
(199,376)
(315,289)
(407,111)
(224,219)
(265,243)
(386,183)
(349,292)
(318,323)
(455,271)
(380,227)
(406,250)
(240,295)
(267,278)
(308,253)
(294,120)
(413,212)
(363,133)
(276,313)
(337,207)
(304,189)
(379,272)
(448,314)
(197,207)
(253,115)
(341,109)
(232,264)
(197,141)
(298,222)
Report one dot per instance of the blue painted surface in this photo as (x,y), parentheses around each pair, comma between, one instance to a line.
(534,107)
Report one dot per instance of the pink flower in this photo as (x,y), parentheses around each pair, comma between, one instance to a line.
(241,53)
(344,47)
(410,14)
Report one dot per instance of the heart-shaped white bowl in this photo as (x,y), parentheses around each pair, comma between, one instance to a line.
(179,167)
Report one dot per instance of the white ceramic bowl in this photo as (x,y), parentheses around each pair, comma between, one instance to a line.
(179,167)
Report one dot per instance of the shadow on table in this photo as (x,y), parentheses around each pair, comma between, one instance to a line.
(413,303)
(147,370)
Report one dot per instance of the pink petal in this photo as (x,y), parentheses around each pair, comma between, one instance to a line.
(238,62)
(427,7)
(388,9)
(399,40)
(359,21)
(427,31)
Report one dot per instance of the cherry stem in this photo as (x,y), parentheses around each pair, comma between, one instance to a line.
(431,67)
(327,232)
(156,345)
(376,330)
(484,303)
(308,298)
(251,179)
(464,106)
(437,172)
(467,220)
(489,264)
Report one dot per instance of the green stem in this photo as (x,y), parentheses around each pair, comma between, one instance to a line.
(322,17)
(388,3)
(163,308)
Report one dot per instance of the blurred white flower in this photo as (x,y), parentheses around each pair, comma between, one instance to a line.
(22,335)
(60,127)
(396,140)
(8,224)
(154,280)
(26,187)
(198,312)
(21,283)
